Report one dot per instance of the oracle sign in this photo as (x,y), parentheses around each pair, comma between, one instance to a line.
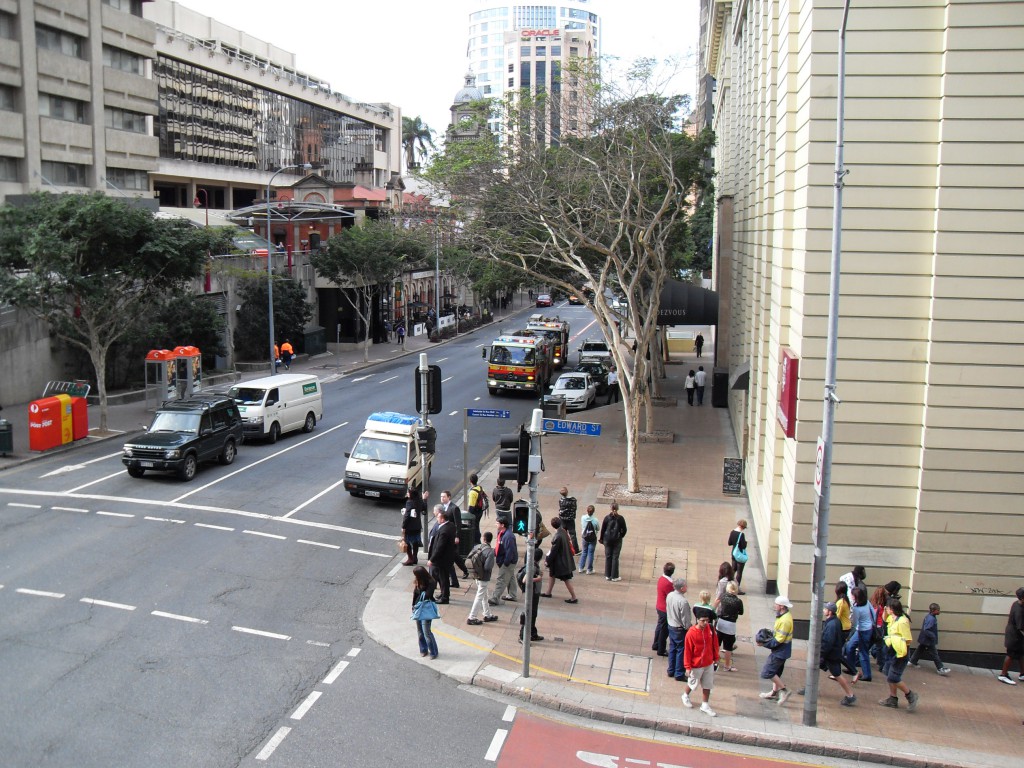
(539,32)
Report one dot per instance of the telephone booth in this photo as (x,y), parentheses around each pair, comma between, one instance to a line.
(161,374)
(188,362)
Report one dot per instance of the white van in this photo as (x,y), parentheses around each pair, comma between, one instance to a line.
(276,404)
(393,454)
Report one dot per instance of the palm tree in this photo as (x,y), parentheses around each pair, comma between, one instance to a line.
(415,133)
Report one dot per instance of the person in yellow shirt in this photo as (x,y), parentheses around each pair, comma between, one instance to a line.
(897,638)
(843,613)
(781,645)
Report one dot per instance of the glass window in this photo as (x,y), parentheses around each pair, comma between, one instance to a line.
(8,98)
(134,7)
(8,28)
(524,75)
(541,50)
(556,50)
(65,174)
(127,178)
(123,60)
(511,67)
(524,51)
(9,169)
(62,108)
(124,120)
(57,40)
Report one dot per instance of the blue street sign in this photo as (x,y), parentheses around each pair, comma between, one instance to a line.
(488,413)
(572,427)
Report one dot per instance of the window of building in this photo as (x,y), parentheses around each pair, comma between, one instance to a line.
(485,64)
(541,50)
(8,98)
(574,51)
(556,50)
(126,178)
(58,40)
(9,169)
(134,7)
(541,78)
(65,174)
(524,51)
(126,61)
(483,39)
(8,27)
(511,82)
(124,120)
(487,90)
(62,108)
(511,67)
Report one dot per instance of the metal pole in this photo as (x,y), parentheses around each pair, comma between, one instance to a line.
(531,540)
(424,414)
(821,512)
(465,456)
(437,274)
(270,269)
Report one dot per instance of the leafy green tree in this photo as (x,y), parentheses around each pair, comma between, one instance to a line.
(291,315)
(415,135)
(365,260)
(92,266)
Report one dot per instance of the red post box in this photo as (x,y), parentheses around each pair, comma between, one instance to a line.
(44,424)
(79,417)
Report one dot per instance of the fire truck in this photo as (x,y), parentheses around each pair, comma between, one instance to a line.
(518,363)
(557,332)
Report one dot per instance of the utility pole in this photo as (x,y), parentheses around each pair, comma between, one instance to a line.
(425,413)
(531,540)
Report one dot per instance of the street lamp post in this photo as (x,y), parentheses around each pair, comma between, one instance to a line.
(270,271)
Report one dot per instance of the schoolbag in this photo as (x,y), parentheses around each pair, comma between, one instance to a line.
(482,500)
(567,508)
(589,534)
(476,560)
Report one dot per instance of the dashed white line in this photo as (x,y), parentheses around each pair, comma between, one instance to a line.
(387,380)
(303,708)
(453,413)
(261,633)
(318,544)
(496,743)
(274,742)
(371,554)
(338,669)
(105,604)
(267,535)
(39,593)
(164,520)
(214,527)
(318,644)
(510,714)
(177,617)
(114,514)
(70,509)
(354,652)
(26,506)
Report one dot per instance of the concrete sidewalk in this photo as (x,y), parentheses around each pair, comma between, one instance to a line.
(596,659)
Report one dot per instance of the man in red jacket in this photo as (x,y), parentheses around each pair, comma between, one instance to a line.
(660,644)
(700,657)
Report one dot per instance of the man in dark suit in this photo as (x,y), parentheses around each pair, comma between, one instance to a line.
(453,513)
(441,551)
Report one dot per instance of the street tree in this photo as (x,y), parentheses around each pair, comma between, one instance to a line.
(291,314)
(416,136)
(92,266)
(603,208)
(365,260)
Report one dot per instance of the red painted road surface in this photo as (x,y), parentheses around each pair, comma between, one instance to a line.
(540,743)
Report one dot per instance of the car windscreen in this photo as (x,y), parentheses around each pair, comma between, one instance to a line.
(512,355)
(378,449)
(247,395)
(170,421)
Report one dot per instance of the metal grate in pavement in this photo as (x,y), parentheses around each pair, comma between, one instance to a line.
(620,670)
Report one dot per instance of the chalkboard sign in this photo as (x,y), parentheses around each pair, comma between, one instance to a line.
(732,476)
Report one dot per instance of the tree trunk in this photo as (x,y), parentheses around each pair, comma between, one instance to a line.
(98,355)
(631,402)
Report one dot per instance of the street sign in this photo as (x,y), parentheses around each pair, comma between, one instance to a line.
(572,427)
(488,413)
(818,462)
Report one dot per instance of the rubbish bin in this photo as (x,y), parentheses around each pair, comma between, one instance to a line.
(720,388)
(6,437)
(466,528)
(553,406)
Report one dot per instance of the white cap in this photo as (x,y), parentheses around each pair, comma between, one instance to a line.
(783,600)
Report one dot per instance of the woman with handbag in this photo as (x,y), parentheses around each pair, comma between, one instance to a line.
(738,546)
(424,610)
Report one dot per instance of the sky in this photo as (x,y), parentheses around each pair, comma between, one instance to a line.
(412,53)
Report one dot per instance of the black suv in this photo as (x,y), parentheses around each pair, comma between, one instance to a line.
(184,433)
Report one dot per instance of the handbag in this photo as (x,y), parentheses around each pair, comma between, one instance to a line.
(739,555)
(403,545)
(425,609)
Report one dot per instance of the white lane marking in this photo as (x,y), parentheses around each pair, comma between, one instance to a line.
(83,465)
(26,506)
(362,378)
(70,509)
(178,617)
(105,604)
(477,399)
(261,633)
(385,381)
(214,527)
(260,461)
(78,488)
(114,514)
(39,593)
(510,714)
(274,742)
(496,744)
(303,708)
(354,652)
(445,381)
(318,644)
(306,503)
(338,669)
(453,413)
(371,554)
(164,520)
(318,544)
(267,535)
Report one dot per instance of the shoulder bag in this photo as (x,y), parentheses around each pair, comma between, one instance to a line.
(739,555)
(425,609)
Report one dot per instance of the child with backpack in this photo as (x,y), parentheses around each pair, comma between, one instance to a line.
(589,543)
(481,562)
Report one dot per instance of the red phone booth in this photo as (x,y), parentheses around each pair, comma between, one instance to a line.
(44,424)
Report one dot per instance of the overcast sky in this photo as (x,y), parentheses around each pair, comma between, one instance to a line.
(412,53)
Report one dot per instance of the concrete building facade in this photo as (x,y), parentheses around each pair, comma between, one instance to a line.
(926,479)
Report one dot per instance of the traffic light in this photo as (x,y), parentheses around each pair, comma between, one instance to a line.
(433,388)
(514,457)
(520,517)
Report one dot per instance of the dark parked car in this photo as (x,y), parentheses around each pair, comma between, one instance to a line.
(574,298)
(598,370)
(185,433)
(544,300)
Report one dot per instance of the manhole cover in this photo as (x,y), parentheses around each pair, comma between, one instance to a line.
(618,670)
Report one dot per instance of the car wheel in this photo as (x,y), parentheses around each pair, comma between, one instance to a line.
(188,468)
(275,432)
(136,471)
(310,424)
(230,451)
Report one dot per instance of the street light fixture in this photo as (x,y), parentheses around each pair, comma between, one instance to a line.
(270,271)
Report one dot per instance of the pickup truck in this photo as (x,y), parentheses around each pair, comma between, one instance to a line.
(594,348)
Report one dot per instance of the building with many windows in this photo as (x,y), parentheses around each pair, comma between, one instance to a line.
(926,481)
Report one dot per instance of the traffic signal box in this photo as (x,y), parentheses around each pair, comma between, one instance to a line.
(514,457)
(520,517)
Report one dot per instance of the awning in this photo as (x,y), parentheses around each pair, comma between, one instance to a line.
(687,304)
(740,378)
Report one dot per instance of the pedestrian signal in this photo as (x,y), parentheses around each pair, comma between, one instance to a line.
(520,517)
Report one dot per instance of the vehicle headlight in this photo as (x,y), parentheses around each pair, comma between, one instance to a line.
(397,480)
(254,420)
(172,453)
(128,451)
(352,475)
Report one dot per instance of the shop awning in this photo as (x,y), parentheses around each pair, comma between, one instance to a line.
(740,378)
(687,304)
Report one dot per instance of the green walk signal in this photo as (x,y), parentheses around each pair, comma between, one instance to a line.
(520,517)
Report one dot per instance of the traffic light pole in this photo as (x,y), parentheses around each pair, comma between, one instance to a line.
(424,416)
(531,539)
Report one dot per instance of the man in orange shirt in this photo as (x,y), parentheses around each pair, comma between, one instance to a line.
(287,353)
